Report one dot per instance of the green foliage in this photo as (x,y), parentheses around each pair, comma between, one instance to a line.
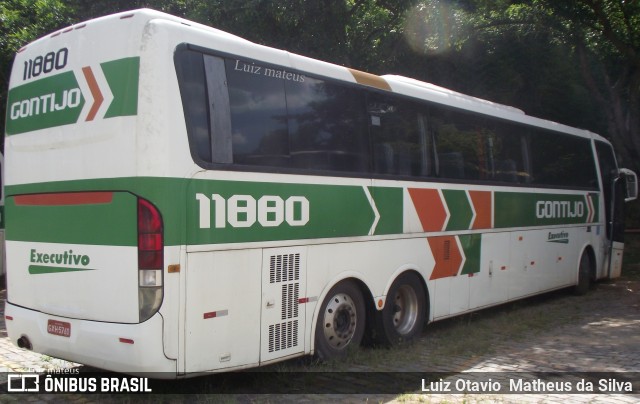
(356,33)
(84,10)
(25,20)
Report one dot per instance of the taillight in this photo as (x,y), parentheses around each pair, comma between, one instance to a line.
(150,240)
(150,258)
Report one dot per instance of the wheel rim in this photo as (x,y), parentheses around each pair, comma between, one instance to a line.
(405,309)
(340,318)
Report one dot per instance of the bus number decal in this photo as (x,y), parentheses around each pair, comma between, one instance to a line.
(241,211)
(45,64)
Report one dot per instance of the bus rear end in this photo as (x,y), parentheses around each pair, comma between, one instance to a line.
(85,233)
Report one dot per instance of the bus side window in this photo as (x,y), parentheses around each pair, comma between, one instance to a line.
(562,161)
(219,110)
(258,114)
(462,140)
(191,79)
(399,136)
(427,149)
(508,154)
(327,129)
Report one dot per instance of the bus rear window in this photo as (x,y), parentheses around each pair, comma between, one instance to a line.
(275,118)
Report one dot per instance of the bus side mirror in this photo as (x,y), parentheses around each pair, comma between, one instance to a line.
(631,181)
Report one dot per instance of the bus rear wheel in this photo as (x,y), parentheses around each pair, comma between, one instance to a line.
(341,321)
(403,315)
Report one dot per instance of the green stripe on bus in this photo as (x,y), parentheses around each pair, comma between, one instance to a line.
(515,209)
(333,211)
(122,76)
(114,223)
(389,204)
(459,209)
(43,269)
(471,244)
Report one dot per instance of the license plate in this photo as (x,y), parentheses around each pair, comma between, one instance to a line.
(61,328)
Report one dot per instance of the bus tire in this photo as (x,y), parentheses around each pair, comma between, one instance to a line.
(584,276)
(341,321)
(402,318)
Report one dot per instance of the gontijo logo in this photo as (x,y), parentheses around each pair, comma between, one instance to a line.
(109,89)
(559,209)
(577,208)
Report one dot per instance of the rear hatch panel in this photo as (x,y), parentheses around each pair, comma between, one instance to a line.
(74,254)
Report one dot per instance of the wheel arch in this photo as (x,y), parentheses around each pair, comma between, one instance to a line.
(591,255)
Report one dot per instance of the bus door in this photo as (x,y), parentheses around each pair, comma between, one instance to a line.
(625,189)
(615,230)
(618,187)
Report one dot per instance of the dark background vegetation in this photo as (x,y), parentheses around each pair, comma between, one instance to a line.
(576,62)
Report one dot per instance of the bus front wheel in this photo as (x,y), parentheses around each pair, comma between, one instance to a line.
(341,321)
(584,275)
(403,315)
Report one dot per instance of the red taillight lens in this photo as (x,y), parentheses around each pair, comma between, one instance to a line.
(150,242)
(150,236)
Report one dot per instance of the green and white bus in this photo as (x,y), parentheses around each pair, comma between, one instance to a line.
(181,200)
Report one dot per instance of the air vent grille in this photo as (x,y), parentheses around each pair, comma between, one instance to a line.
(284,268)
(283,335)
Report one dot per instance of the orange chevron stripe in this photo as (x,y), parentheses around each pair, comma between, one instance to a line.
(430,208)
(95,92)
(447,255)
(481,201)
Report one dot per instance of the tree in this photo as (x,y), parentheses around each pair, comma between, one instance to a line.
(357,33)
(85,10)
(601,36)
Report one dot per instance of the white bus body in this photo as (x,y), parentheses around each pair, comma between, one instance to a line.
(149,232)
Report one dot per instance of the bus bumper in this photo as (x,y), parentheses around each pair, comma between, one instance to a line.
(125,348)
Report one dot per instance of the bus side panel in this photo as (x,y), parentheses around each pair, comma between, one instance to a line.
(491,284)
(223,296)
(544,259)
